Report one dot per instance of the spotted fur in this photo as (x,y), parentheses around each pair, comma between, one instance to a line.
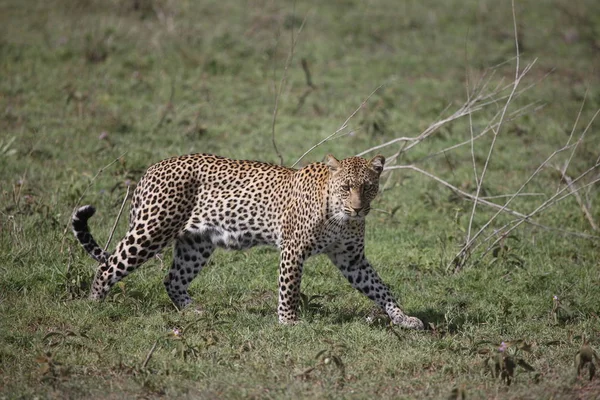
(203,201)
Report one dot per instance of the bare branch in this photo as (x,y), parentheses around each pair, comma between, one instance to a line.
(520,216)
(547,204)
(341,128)
(457,190)
(281,84)
(516,82)
(78,202)
(112,232)
(582,205)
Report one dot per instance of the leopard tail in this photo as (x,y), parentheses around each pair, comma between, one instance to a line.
(82,233)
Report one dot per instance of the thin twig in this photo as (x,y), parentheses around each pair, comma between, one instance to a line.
(556,199)
(468,91)
(566,166)
(467,247)
(78,202)
(552,201)
(281,83)
(549,202)
(478,102)
(168,108)
(307,74)
(501,196)
(112,232)
(514,115)
(521,217)
(584,209)
(516,82)
(149,356)
(457,190)
(580,140)
(311,87)
(341,128)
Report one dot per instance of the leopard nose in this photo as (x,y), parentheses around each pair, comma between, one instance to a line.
(357,210)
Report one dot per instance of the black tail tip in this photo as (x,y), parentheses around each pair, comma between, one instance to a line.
(84,213)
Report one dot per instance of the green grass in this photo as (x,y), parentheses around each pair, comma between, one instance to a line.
(84,82)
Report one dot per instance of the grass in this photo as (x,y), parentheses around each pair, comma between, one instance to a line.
(87,82)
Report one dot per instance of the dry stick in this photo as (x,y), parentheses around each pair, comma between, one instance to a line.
(502,196)
(468,92)
(480,106)
(168,107)
(470,131)
(520,216)
(476,104)
(548,203)
(112,232)
(563,171)
(516,114)
(584,209)
(341,128)
(404,147)
(589,189)
(83,194)
(457,190)
(149,356)
(309,83)
(552,201)
(467,246)
(518,77)
(568,162)
(307,74)
(394,159)
(280,89)
(548,228)
(472,147)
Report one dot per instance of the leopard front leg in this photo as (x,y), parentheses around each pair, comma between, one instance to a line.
(350,260)
(290,278)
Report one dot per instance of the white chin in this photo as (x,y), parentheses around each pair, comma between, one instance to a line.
(353,217)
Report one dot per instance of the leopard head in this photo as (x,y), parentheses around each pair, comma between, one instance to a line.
(354,183)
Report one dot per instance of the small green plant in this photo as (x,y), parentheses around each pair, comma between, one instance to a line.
(188,348)
(70,339)
(326,359)
(51,370)
(506,253)
(75,279)
(310,304)
(503,359)
(6,149)
(560,312)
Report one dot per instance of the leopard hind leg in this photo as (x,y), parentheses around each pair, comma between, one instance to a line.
(191,253)
(133,250)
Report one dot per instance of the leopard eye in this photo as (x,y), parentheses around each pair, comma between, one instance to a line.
(368,187)
(346,187)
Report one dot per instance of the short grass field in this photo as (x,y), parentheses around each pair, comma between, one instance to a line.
(92,92)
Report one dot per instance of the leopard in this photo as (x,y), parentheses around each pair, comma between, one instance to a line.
(202,202)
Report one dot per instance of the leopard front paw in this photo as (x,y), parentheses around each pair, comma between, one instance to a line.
(288,319)
(405,321)
(413,323)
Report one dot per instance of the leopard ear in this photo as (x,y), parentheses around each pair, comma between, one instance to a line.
(377,163)
(332,163)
